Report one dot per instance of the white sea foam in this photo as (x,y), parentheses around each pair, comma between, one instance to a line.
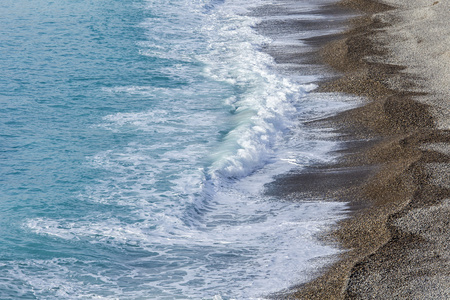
(259,245)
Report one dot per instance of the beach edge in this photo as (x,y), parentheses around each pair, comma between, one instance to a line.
(388,252)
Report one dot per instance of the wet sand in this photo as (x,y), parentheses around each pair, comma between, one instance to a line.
(395,172)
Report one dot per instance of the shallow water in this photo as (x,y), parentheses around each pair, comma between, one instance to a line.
(136,139)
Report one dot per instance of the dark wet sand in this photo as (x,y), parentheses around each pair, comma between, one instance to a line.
(394,173)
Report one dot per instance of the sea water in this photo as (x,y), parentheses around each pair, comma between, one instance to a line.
(136,139)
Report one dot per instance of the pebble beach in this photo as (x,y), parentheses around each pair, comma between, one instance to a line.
(395,171)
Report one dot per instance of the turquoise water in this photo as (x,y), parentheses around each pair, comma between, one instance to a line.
(135,141)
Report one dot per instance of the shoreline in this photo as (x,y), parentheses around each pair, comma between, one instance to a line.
(395,174)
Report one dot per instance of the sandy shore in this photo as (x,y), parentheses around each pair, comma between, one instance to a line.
(396,172)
